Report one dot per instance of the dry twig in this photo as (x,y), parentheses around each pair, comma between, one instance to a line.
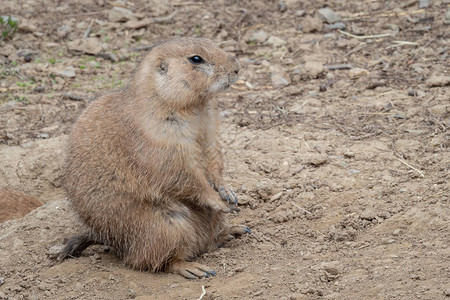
(408,165)
(203,293)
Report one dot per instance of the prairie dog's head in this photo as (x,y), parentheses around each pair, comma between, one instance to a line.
(185,72)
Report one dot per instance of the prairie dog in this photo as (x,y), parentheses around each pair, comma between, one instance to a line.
(15,204)
(144,166)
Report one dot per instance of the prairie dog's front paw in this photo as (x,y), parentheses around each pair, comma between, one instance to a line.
(224,207)
(227,194)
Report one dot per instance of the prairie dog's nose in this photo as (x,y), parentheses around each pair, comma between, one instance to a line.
(235,65)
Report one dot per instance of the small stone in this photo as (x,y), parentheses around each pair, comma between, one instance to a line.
(424,3)
(435,81)
(412,93)
(300,13)
(280,80)
(26,52)
(63,31)
(349,154)
(54,251)
(447,15)
(282,6)
(396,232)
(120,14)
(27,26)
(68,72)
(276,196)
(89,46)
(275,41)
(310,24)
(39,89)
(2,280)
(400,115)
(374,83)
(354,171)
(43,136)
(7,50)
(368,215)
(316,159)
(313,69)
(337,25)
(328,15)
(132,293)
(439,110)
(264,189)
(47,293)
(357,72)
(258,37)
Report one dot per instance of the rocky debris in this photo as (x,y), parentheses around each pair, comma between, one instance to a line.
(120,14)
(63,31)
(264,189)
(349,154)
(438,80)
(27,54)
(134,24)
(88,46)
(7,50)
(368,215)
(68,72)
(327,15)
(313,69)
(282,7)
(54,251)
(316,159)
(424,3)
(280,80)
(357,72)
(27,26)
(310,24)
(258,37)
(439,110)
(337,25)
(300,13)
(275,41)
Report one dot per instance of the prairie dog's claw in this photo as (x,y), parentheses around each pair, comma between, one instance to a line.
(226,193)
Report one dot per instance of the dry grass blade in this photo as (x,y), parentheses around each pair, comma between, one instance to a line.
(375,36)
(408,165)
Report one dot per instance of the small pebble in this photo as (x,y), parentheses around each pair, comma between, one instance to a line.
(282,6)
(328,15)
(412,93)
(132,293)
(349,154)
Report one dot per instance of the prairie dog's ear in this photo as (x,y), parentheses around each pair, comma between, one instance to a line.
(162,66)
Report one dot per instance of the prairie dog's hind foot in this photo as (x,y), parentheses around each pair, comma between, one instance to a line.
(231,233)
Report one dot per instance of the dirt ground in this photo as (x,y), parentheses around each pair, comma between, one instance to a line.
(335,141)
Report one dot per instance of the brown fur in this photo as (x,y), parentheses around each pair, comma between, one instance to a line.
(15,204)
(144,167)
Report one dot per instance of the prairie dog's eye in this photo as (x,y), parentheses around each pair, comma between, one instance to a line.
(196,59)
